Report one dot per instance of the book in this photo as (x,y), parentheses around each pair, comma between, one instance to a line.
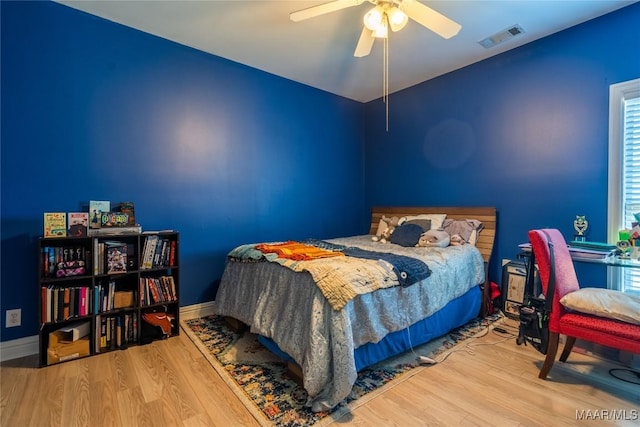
(96,207)
(43,304)
(592,245)
(77,223)
(96,250)
(101,258)
(116,257)
(128,208)
(136,229)
(172,254)
(149,252)
(55,224)
(590,253)
(114,219)
(66,304)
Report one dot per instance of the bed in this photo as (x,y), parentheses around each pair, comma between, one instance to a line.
(329,336)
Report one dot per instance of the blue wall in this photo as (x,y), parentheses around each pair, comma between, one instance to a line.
(225,153)
(525,131)
(221,152)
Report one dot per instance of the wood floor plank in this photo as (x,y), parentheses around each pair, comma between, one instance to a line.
(492,381)
(132,407)
(76,398)
(104,404)
(149,379)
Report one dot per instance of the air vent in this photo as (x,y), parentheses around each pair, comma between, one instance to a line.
(501,36)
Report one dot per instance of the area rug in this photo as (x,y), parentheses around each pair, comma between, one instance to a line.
(260,379)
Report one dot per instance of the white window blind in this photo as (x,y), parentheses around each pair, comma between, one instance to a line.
(631,179)
(624,172)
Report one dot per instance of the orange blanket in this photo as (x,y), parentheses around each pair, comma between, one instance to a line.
(297,251)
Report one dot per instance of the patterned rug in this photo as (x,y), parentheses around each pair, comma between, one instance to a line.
(260,379)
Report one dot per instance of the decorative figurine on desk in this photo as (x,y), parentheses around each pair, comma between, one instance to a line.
(580,224)
(624,248)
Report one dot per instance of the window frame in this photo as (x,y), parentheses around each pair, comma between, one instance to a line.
(618,93)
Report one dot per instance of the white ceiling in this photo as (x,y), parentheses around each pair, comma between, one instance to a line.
(319,51)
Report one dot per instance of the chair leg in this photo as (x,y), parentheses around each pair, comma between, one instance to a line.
(554,337)
(568,346)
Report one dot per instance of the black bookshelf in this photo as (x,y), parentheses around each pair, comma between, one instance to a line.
(106,292)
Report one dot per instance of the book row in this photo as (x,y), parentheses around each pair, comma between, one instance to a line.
(63,224)
(60,303)
(114,332)
(99,215)
(157,289)
(158,252)
(63,303)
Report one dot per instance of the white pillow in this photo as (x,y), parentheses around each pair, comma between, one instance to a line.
(604,303)
(436,219)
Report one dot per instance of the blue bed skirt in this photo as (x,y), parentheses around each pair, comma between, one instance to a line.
(456,313)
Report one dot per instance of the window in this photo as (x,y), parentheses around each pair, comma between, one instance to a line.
(624,172)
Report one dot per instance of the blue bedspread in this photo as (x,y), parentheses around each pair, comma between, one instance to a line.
(289,308)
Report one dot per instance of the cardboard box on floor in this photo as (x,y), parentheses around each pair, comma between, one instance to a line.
(62,345)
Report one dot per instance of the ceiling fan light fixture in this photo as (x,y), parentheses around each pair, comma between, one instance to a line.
(374,19)
(397,19)
(382,32)
(385,14)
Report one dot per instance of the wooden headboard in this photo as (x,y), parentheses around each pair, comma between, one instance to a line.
(486,215)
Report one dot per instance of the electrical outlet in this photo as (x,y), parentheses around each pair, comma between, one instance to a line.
(14,318)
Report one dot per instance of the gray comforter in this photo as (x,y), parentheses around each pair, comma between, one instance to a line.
(288,307)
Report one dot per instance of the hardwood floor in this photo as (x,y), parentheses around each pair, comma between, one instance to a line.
(169,383)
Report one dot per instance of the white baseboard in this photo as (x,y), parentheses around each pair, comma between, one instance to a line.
(17,348)
(196,310)
(27,346)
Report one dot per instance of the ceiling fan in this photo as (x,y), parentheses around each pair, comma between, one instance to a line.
(386,14)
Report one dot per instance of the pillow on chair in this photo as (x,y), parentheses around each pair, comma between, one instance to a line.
(604,303)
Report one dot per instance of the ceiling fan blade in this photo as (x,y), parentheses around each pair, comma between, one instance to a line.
(365,43)
(435,21)
(321,9)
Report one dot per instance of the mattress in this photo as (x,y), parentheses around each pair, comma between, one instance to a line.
(288,308)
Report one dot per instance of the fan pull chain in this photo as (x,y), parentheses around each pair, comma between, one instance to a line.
(385,78)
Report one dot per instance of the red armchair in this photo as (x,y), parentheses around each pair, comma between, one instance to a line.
(601,330)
